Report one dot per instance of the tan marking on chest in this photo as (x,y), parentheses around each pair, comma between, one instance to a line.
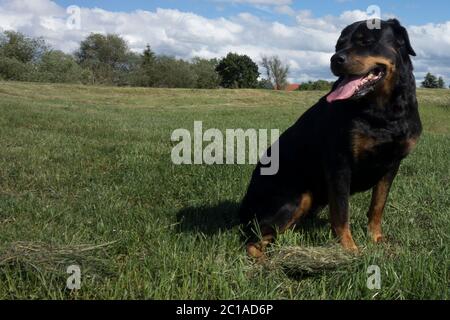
(362,144)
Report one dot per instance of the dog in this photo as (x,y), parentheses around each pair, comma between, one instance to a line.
(352,140)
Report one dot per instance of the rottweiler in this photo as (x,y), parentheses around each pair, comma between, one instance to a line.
(352,140)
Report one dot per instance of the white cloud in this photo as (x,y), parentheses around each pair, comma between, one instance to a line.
(431,40)
(285,9)
(278,6)
(307,45)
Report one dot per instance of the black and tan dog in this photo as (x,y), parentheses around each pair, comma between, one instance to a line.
(351,141)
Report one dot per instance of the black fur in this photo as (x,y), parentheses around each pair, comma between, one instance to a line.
(316,153)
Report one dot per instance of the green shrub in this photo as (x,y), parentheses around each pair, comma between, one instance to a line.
(13,69)
(316,85)
(58,67)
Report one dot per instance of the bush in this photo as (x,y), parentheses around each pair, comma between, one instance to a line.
(316,85)
(265,84)
(58,67)
(205,73)
(169,72)
(173,73)
(13,69)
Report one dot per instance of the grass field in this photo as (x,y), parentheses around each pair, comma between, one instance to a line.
(86,178)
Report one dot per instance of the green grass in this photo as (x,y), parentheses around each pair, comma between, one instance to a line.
(86,178)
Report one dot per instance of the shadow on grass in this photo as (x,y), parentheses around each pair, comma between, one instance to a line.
(224,216)
(313,223)
(209,219)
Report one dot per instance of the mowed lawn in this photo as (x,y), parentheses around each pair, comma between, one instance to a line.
(86,178)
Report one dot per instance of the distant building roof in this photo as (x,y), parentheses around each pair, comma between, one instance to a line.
(292,87)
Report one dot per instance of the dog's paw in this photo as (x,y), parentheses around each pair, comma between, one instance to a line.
(377,238)
(350,246)
(375,234)
(255,251)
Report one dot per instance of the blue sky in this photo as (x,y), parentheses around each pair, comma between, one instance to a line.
(414,12)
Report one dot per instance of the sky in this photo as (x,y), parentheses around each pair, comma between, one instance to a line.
(302,33)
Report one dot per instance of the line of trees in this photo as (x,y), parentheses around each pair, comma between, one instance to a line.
(108,60)
(100,59)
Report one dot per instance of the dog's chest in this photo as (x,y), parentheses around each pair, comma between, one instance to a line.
(379,147)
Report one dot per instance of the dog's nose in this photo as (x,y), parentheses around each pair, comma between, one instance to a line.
(339,59)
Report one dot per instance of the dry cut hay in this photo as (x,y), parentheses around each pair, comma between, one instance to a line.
(310,260)
(54,258)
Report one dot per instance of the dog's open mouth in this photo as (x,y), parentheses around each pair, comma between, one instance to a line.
(357,86)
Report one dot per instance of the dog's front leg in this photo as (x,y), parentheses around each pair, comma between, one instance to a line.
(379,197)
(338,197)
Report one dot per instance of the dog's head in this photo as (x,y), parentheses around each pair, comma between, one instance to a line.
(367,61)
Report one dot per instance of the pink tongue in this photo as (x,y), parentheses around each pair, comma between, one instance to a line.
(346,89)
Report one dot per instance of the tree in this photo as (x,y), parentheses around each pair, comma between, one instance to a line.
(146,71)
(441,83)
(15,45)
(107,57)
(58,67)
(18,55)
(276,72)
(173,73)
(148,57)
(238,71)
(430,81)
(13,69)
(205,73)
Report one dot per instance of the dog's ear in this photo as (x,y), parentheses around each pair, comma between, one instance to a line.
(401,36)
